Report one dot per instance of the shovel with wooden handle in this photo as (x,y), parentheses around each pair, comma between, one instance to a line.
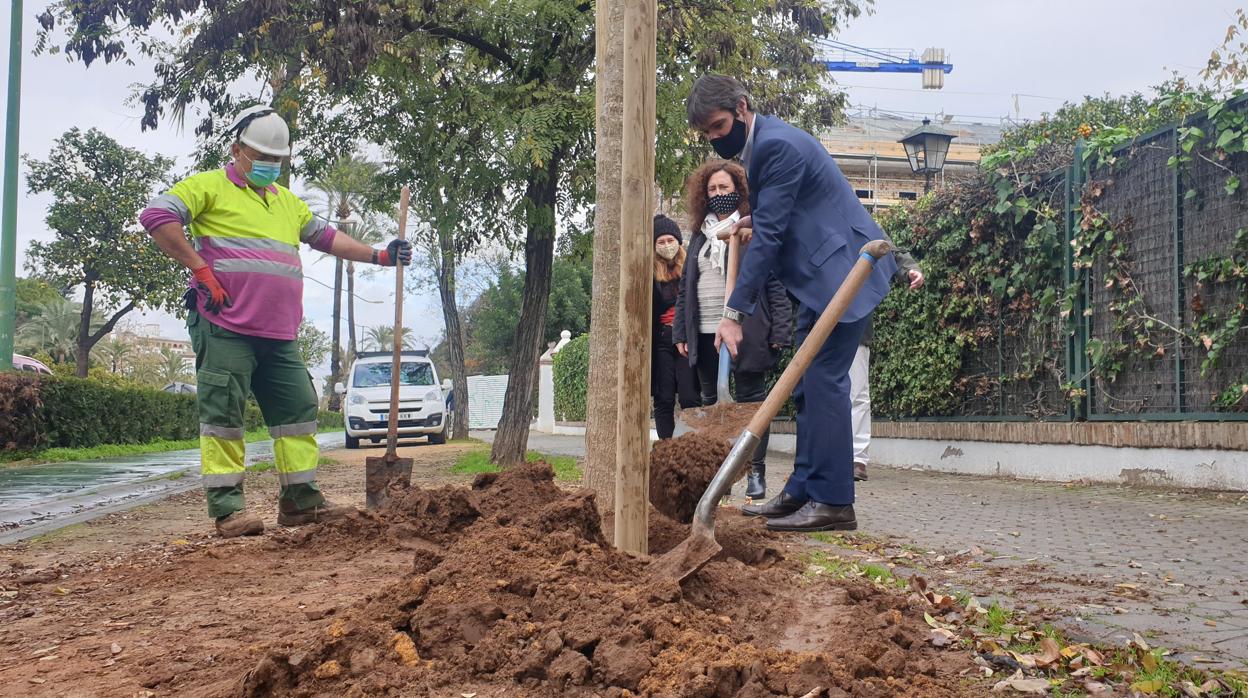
(723,396)
(384,472)
(696,550)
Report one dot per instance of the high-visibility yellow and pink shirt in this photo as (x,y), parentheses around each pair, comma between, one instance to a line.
(251,242)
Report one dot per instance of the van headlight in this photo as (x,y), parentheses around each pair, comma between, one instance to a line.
(433,396)
(358,399)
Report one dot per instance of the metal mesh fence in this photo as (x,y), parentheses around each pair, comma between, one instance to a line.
(1210,221)
(1140,199)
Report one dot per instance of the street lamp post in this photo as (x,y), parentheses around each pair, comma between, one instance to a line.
(926,148)
(8,224)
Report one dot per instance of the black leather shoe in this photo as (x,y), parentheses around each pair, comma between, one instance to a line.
(860,471)
(779,505)
(756,484)
(814,516)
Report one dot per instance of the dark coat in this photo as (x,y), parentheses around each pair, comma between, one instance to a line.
(809,226)
(771,323)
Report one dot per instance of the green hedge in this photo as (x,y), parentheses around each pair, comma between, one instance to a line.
(54,412)
(571,371)
(79,413)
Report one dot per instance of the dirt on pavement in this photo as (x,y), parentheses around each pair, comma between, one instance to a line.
(506,587)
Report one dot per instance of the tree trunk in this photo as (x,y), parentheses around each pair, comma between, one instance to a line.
(335,359)
(512,438)
(351,349)
(454,332)
(82,361)
(601,404)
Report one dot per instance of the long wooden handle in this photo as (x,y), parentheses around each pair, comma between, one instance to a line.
(734,263)
(396,365)
(805,355)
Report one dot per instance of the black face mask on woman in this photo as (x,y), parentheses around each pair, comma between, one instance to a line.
(723,204)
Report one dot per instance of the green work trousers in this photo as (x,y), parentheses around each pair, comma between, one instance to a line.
(228,366)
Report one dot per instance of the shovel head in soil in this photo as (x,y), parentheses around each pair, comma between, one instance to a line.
(382,474)
(698,549)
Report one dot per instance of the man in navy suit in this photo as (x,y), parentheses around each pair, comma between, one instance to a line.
(809,228)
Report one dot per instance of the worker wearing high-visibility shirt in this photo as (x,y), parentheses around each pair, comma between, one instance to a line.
(245,304)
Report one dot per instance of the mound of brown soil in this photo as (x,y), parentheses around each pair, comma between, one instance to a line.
(681,469)
(524,597)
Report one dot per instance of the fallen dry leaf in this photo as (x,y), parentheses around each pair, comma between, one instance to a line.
(1019,683)
(1096,688)
(1148,661)
(1050,652)
(1153,686)
(941,637)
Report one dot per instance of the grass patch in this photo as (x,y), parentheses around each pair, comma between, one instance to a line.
(63,455)
(175,475)
(473,462)
(265,466)
(59,533)
(999,619)
(821,563)
(566,467)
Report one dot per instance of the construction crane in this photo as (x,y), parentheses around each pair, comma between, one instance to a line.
(843,57)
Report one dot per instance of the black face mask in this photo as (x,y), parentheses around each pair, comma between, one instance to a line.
(730,145)
(723,204)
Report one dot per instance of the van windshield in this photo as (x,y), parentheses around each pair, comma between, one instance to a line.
(378,375)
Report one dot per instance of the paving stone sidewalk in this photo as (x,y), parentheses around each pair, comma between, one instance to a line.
(1108,562)
(1115,561)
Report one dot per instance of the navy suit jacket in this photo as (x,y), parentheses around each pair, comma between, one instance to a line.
(809,226)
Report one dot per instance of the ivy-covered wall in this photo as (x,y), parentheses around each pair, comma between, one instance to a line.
(1094,267)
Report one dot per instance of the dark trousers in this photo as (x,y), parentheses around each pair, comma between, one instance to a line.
(823,469)
(751,386)
(670,378)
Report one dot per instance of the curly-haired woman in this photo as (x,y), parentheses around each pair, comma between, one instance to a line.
(716,196)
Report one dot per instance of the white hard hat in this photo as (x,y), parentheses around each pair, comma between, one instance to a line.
(261,128)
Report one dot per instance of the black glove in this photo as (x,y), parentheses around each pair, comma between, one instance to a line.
(397,251)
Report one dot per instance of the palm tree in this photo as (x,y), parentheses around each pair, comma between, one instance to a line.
(54,330)
(116,353)
(172,366)
(381,338)
(368,231)
(345,186)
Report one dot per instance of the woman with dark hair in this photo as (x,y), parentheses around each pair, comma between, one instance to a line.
(717,197)
(670,375)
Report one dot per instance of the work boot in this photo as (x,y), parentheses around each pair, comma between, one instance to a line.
(860,471)
(779,505)
(239,523)
(756,482)
(325,511)
(816,516)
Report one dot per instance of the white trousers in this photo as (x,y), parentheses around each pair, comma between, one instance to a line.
(860,402)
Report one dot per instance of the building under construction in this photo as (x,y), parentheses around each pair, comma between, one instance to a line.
(868,151)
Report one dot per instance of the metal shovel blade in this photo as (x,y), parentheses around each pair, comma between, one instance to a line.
(382,474)
(698,549)
(722,395)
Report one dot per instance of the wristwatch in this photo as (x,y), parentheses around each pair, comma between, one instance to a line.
(735,315)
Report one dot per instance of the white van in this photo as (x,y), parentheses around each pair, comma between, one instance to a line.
(366,398)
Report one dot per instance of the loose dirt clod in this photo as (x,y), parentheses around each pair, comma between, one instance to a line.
(681,469)
(724,422)
(525,596)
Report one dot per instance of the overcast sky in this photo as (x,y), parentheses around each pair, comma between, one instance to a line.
(1011,58)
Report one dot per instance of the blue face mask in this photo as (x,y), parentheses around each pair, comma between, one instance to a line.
(263,174)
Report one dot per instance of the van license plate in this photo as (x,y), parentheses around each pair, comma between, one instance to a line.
(403,417)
